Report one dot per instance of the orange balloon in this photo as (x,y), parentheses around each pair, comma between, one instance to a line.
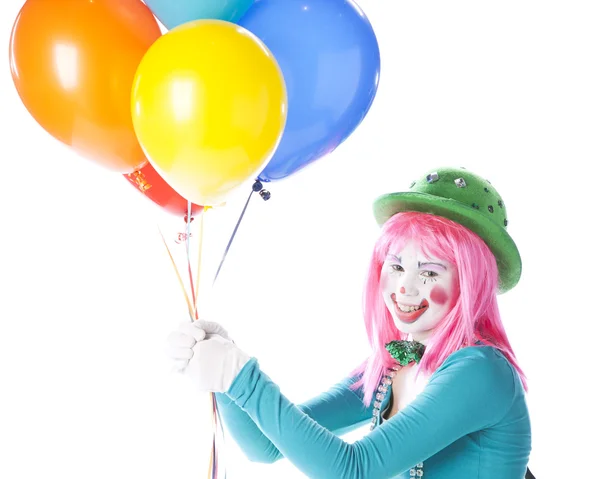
(73,64)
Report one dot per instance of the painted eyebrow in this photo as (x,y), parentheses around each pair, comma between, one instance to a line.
(427,263)
(432,264)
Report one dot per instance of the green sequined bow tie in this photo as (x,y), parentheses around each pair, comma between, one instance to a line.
(405,352)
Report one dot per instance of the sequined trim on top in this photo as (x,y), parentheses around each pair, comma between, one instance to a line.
(382,390)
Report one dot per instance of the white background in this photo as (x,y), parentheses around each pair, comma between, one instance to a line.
(508,89)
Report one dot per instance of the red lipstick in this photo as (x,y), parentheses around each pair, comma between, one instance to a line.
(413,315)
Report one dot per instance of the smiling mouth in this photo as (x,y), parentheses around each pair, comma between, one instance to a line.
(409,313)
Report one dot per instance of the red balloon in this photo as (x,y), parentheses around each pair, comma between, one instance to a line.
(155,188)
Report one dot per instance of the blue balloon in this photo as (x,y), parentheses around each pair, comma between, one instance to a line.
(329,56)
(172,13)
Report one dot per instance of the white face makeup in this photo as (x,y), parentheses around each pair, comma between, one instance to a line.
(417,290)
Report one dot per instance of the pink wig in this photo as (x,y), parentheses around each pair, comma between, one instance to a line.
(473,317)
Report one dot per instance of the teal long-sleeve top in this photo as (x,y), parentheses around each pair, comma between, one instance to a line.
(471,420)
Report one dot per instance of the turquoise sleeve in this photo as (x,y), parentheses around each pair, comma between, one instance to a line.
(339,410)
(456,402)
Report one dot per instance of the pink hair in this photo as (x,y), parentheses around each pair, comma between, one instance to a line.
(473,317)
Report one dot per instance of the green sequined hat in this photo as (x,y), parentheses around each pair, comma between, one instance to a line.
(465,198)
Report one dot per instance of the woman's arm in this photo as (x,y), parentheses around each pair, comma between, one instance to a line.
(338,410)
(456,402)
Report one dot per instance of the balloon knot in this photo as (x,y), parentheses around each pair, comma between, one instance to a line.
(140,181)
(265,195)
(182,237)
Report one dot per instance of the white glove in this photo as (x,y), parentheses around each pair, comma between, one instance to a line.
(210,327)
(180,344)
(203,352)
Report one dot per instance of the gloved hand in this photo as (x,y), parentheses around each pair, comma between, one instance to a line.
(203,352)
(210,327)
(181,342)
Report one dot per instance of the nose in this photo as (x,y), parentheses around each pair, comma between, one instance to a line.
(408,286)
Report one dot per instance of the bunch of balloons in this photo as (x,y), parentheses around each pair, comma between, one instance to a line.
(235,90)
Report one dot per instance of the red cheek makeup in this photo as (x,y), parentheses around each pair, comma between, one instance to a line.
(439,295)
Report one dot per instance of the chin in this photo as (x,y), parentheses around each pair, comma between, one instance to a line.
(416,330)
(407,328)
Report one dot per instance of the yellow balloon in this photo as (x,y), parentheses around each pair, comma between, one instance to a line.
(209,107)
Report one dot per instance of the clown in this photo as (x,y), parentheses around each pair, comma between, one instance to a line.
(442,390)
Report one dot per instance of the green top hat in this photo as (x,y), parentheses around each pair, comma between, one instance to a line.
(465,198)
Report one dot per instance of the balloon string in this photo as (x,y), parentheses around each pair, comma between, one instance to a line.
(200,241)
(181,284)
(214,460)
(255,188)
(213,470)
(216,471)
(188,220)
(213,465)
(220,421)
(217,423)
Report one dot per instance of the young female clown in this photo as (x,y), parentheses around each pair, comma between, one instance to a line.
(442,389)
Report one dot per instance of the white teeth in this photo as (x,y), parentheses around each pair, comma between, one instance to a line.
(408,309)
